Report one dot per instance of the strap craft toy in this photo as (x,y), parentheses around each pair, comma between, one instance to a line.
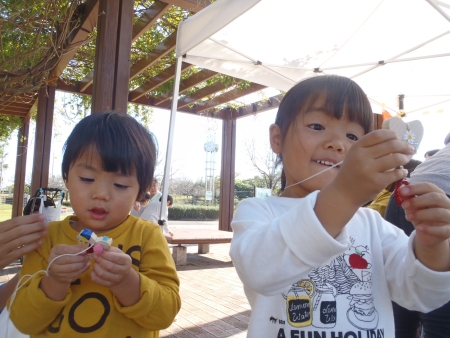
(410,132)
(93,243)
(398,199)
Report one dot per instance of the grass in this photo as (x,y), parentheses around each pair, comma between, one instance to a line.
(5,212)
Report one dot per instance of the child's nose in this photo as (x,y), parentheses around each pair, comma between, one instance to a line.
(101,193)
(336,143)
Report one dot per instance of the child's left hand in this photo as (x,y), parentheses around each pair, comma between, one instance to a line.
(111,267)
(428,208)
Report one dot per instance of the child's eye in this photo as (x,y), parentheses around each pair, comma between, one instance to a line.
(85,179)
(316,126)
(352,137)
(120,186)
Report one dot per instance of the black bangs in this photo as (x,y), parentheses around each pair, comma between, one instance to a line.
(124,146)
(340,95)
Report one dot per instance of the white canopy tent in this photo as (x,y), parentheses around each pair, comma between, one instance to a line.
(389,47)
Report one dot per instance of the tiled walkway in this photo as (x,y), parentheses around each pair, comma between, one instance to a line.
(213,299)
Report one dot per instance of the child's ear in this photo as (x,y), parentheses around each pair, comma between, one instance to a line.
(275,138)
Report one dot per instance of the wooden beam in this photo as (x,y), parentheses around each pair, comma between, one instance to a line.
(227,173)
(112,56)
(192,81)
(19,105)
(166,75)
(43,138)
(228,96)
(191,5)
(13,111)
(164,48)
(198,95)
(88,13)
(258,107)
(148,18)
(21,164)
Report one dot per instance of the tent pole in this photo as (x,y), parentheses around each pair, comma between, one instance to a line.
(173,113)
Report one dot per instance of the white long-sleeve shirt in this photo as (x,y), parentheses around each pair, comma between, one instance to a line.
(303,283)
(151,213)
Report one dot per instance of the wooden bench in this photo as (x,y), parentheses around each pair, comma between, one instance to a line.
(202,237)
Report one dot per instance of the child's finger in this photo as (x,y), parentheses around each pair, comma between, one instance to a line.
(432,216)
(438,232)
(376,137)
(420,189)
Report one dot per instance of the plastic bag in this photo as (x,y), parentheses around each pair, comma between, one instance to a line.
(7,328)
(46,201)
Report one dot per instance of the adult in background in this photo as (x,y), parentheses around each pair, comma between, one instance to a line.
(435,324)
(155,194)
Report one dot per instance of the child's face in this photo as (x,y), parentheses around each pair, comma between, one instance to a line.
(101,200)
(313,143)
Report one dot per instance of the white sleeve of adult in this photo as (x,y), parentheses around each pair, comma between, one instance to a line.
(270,250)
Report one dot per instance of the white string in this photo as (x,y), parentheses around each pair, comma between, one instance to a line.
(334,165)
(13,296)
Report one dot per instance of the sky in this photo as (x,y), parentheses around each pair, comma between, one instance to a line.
(188,158)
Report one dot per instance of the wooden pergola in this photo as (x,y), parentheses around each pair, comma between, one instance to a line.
(108,84)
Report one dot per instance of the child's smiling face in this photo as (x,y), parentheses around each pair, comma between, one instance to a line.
(101,200)
(313,143)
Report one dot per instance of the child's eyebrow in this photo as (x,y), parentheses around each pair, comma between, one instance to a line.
(86,166)
(315,110)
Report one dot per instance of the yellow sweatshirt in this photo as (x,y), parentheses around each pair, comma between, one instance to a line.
(91,310)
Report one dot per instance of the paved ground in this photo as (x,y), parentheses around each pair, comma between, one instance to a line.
(213,300)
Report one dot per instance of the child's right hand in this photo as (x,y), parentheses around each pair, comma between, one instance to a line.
(20,235)
(66,269)
(369,166)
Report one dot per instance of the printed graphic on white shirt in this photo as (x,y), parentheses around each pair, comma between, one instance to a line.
(345,284)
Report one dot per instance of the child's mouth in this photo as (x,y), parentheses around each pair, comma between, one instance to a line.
(327,163)
(98,213)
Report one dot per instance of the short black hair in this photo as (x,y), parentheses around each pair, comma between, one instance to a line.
(123,144)
(169,199)
(146,197)
(431,152)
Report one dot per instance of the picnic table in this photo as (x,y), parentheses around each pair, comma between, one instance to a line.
(202,237)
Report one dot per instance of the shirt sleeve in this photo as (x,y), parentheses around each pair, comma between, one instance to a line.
(411,284)
(270,250)
(26,307)
(159,286)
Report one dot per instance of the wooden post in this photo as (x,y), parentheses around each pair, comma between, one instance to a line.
(112,56)
(43,139)
(377,121)
(226,206)
(21,163)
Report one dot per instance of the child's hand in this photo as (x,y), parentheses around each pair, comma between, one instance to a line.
(111,267)
(66,269)
(366,169)
(20,235)
(428,208)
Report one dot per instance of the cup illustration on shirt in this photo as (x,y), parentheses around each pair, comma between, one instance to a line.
(298,303)
(324,307)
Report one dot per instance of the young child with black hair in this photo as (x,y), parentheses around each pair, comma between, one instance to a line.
(129,290)
(312,261)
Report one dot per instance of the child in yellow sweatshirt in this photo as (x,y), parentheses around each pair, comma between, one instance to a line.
(129,290)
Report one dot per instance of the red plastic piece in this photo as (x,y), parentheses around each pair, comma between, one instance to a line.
(396,193)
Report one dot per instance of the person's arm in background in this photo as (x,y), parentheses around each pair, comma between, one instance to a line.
(18,236)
